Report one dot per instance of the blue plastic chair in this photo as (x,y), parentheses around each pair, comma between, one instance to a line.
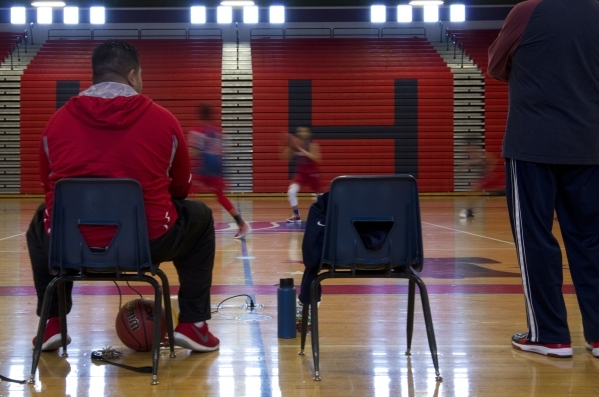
(372,230)
(101,202)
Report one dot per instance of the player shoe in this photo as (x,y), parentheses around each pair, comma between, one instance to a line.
(52,339)
(243,231)
(521,342)
(294,219)
(593,347)
(198,339)
(466,213)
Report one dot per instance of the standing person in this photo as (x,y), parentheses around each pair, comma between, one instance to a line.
(206,148)
(307,156)
(112,131)
(547,50)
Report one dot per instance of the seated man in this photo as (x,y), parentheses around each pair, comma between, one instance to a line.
(112,131)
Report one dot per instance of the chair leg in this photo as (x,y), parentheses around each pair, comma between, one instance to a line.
(62,312)
(157,326)
(41,329)
(410,323)
(169,311)
(428,319)
(304,329)
(314,315)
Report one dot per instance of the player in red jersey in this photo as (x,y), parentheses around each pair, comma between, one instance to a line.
(307,156)
(205,143)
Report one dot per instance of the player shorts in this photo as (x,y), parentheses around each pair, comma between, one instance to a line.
(311,181)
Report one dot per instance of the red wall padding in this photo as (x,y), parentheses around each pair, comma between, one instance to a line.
(177,74)
(476,44)
(352,85)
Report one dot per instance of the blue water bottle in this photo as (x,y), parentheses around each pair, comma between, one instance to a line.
(286,309)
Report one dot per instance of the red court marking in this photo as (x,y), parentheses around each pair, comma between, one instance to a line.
(360,289)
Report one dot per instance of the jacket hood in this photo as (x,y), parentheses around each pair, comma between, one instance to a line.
(108,113)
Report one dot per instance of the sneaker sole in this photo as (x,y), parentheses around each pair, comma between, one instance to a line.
(539,349)
(594,351)
(54,342)
(183,341)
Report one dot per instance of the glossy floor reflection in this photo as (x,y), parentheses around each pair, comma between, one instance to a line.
(475,294)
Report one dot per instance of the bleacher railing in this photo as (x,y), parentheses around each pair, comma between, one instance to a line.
(16,46)
(133,34)
(279,33)
(456,44)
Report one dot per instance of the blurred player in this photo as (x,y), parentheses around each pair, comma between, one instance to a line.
(486,165)
(307,156)
(205,143)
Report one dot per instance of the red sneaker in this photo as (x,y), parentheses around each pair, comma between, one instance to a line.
(52,340)
(521,342)
(294,219)
(198,339)
(593,347)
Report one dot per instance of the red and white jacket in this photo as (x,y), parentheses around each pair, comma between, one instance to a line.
(110,131)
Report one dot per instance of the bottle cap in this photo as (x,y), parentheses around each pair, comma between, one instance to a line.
(286,282)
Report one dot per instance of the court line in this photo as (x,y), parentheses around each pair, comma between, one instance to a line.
(472,234)
(16,235)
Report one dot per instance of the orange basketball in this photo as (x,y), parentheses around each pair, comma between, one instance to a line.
(135,324)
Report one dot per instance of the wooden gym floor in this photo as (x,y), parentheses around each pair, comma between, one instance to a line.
(474,286)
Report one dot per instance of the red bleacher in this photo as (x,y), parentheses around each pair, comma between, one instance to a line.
(177,74)
(476,45)
(353,84)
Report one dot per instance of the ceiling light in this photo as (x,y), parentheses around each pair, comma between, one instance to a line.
(404,13)
(48,4)
(237,3)
(250,14)
(198,14)
(17,15)
(224,14)
(426,3)
(457,13)
(277,14)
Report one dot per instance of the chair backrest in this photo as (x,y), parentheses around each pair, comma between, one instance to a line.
(373,223)
(98,202)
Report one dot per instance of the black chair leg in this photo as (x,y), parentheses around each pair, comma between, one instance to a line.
(169,311)
(62,313)
(410,323)
(304,328)
(428,320)
(41,329)
(157,327)
(314,316)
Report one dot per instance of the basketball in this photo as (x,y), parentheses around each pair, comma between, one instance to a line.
(135,324)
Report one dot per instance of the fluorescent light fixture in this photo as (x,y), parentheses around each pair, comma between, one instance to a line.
(198,14)
(224,14)
(71,15)
(426,3)
(378,14)
(404,13)
(97,15)
(237,3)
(277,14)
(17,15)
(457,13)
(431,13)
(57,4)
(250,14)
(44,15)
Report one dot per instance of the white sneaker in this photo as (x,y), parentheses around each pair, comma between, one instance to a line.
(243,231)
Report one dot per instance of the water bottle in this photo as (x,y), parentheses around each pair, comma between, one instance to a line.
(286,309)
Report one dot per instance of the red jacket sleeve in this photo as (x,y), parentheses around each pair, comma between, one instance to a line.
(180,171)
(44,166)
(504,47)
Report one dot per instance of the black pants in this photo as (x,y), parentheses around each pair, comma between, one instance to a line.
(190,244)
(534,191)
